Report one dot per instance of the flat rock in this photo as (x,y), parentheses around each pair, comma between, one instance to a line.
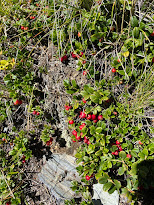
(57,174)
(101,197)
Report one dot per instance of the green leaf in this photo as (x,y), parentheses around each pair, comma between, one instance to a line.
(92,130)
(117,184)
(66,83)
(102,180)
(107,186)
(71,91)
(121,171)
(112,190)
(98,130)
(134,21)
(145,152)
(122,154)
(74,84)
(85,94)
(98,153)
(78,155)
(129,185)
(136,32)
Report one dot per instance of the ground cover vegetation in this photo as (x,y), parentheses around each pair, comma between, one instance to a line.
(110,117)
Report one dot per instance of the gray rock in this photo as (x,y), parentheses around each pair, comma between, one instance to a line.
(101,197)
(57,174)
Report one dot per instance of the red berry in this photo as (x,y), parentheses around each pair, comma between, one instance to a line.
(73,140)
(74,132)
(100,117)
(129,156)
(88,142)
(37,4)
(93,117)
(153,59)
(84,62)
(82,126)
(79,34)
(140,143)
(30,17)
(3,139)
(88,178)
(84,101)
(115,113)
(81,54)
(33,17)
(67,108)
(71,122)
(116,152)
(23,161)
(113,153)
(152,34)
(89,117)
(20,102)
(34,112)
(117,142)
(112,28)
(78,137)
(82,115)
(84,72)
(22,27)
(95,121)
(64,58)
(8,203)
(51,139)
(74,55)
(37,113)
(48,143)
(120,148)
(113,70)
(17,102)
(118,60)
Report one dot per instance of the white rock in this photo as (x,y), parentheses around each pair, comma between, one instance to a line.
(102,197)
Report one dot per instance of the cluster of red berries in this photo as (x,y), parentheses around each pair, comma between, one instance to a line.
(32,17)
(78,138)
(18,102)
(93,117)
(119,148)
(67,107)
(24,28)
(76,55)
(35,112)
(86,140)
(48,143)
(23,159)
